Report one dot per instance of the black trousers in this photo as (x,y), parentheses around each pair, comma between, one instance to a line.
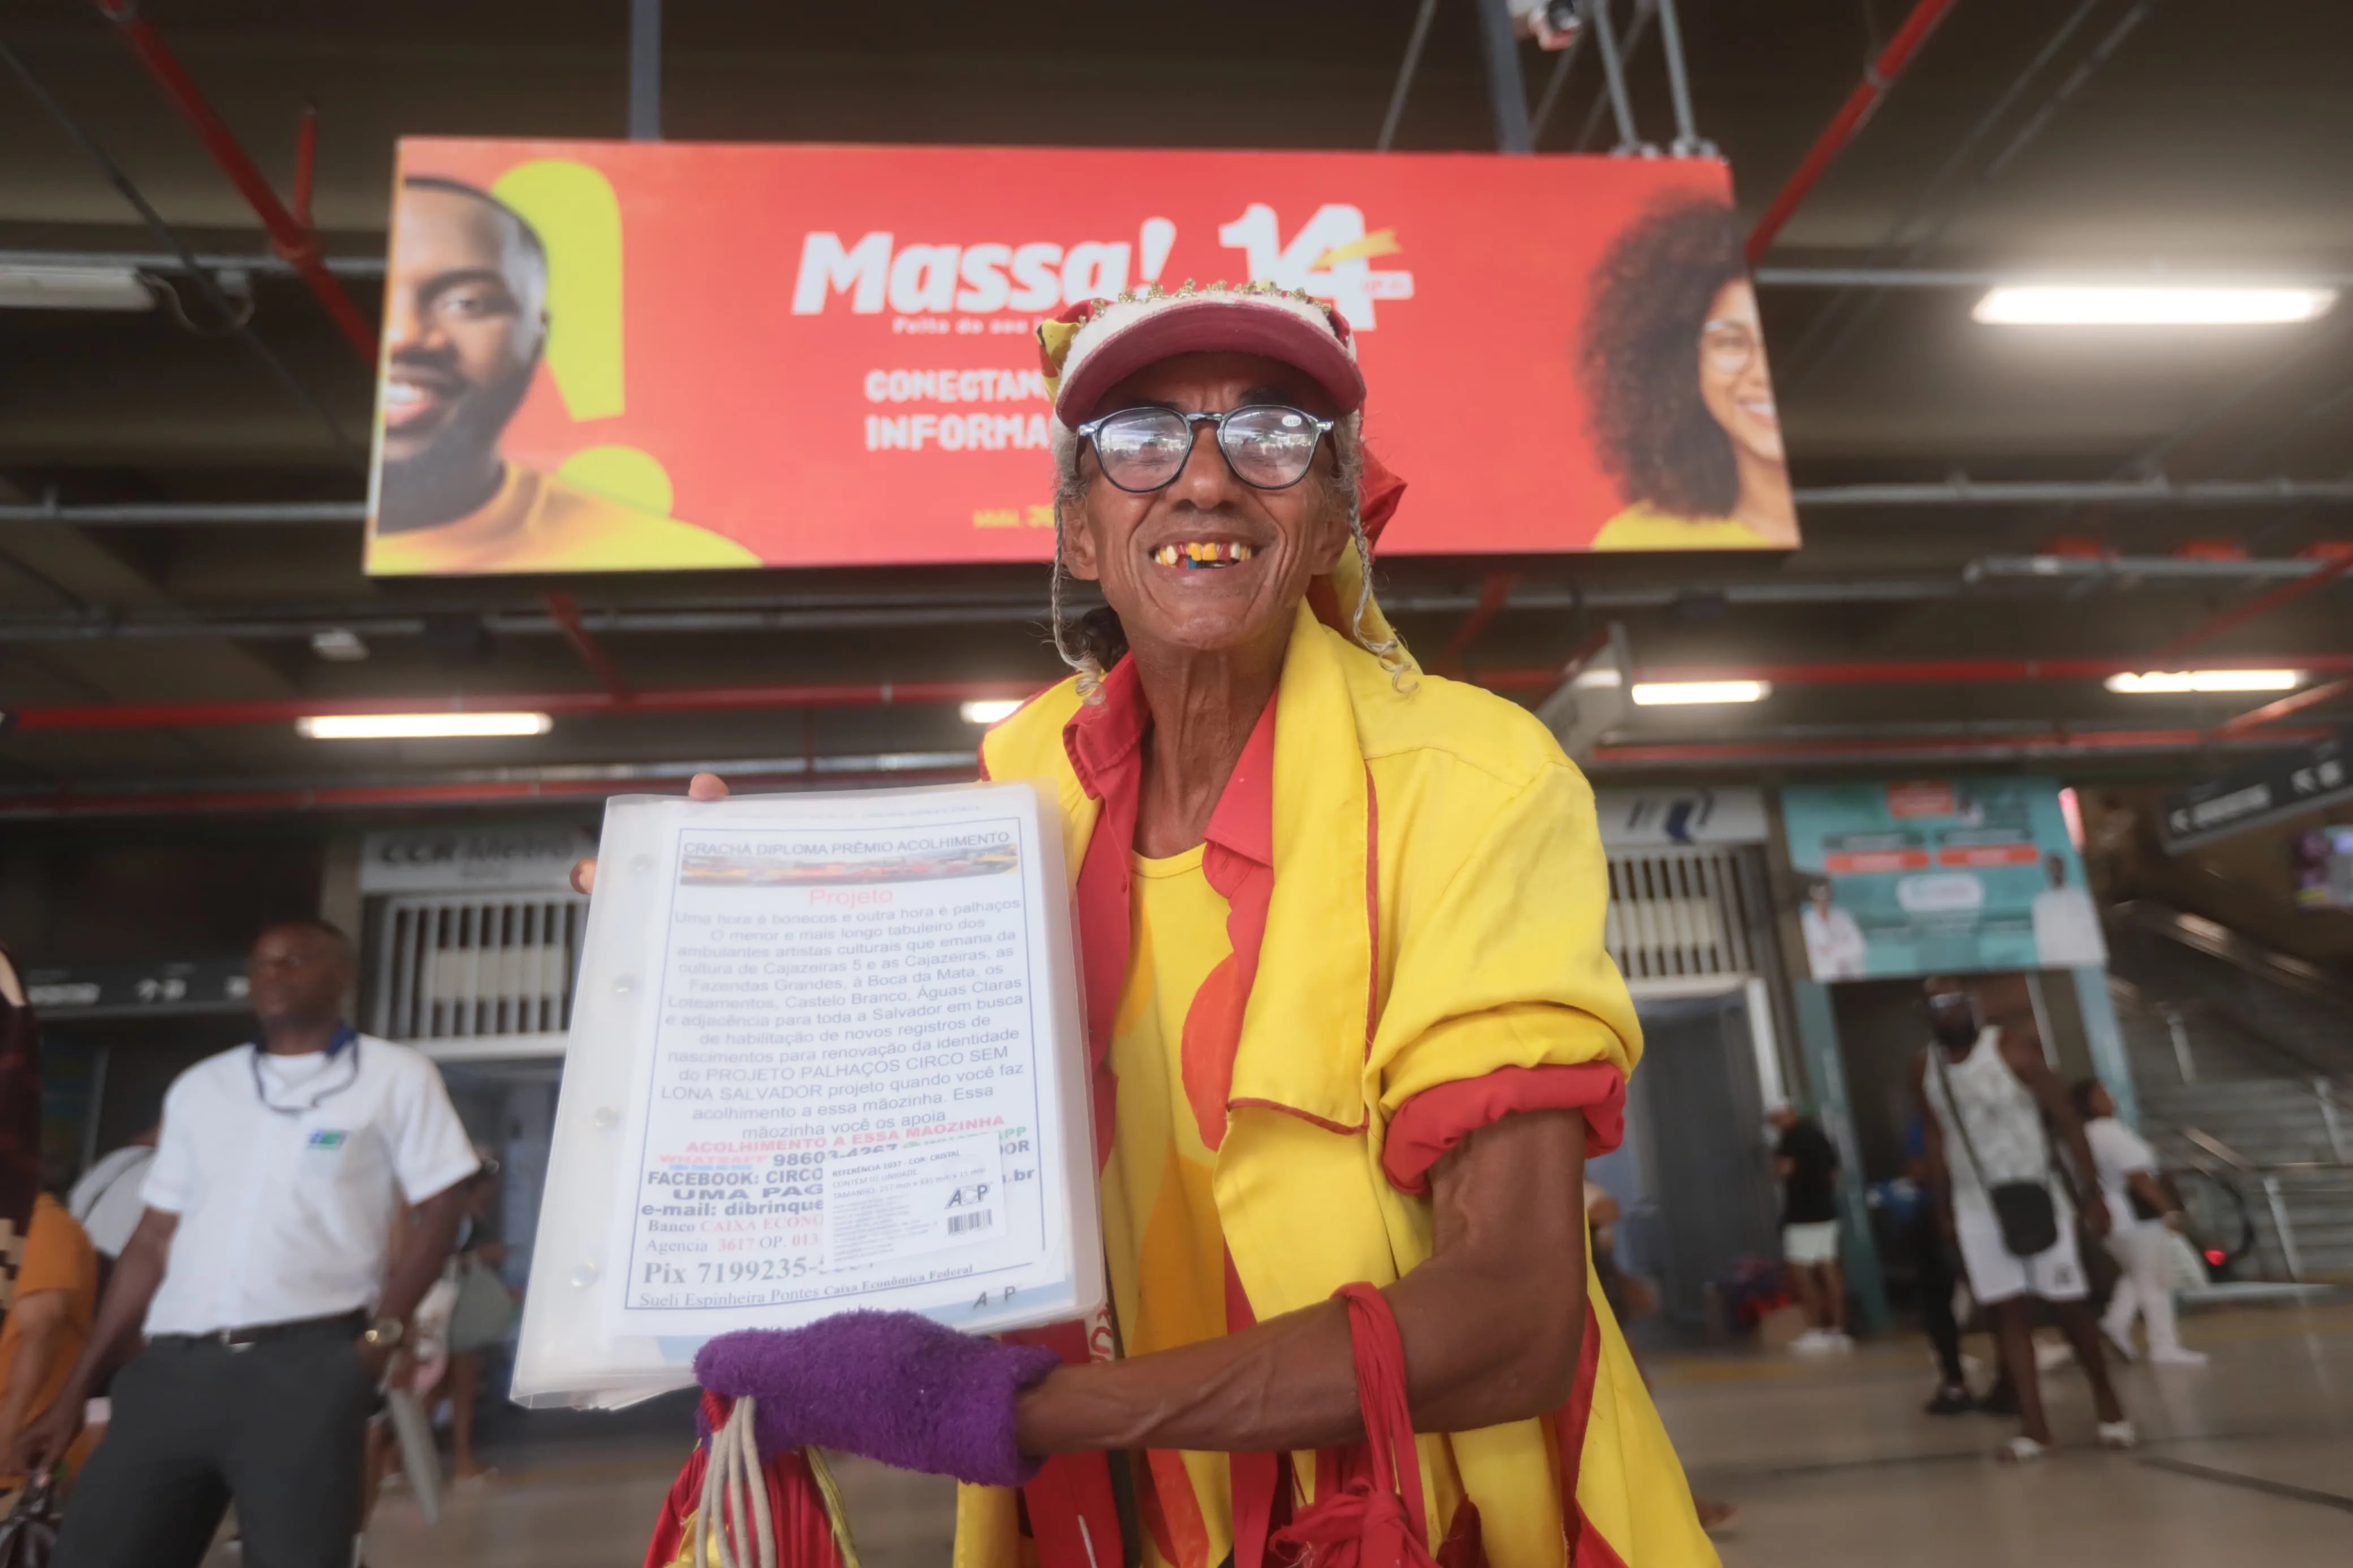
(1932,1262)
(281,1426)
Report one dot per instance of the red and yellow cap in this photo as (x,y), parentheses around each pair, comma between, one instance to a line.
(1097,343)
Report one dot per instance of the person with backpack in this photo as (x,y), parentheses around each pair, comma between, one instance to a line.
(1990,1095)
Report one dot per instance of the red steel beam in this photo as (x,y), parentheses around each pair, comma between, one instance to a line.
(567,611)
(1852,115)
(2296,702)
(288,236)
(1492,596)
(2295,588)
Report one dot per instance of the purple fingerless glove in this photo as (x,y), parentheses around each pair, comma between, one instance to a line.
(892,1386)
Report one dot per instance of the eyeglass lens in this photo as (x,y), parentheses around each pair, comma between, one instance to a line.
(1267,445)
(1728,346)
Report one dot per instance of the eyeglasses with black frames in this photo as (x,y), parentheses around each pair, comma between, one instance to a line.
(1267,445)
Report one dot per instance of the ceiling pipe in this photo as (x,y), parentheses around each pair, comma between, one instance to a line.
(2053,745)
(2156,491)
(504,787)
(271,711)
(813,611)
(1900,279)
(697,699)
(1953,493)
(178,514)
(253,265)
(2156,568)
(1851,118)
(542,786)
(1921,672)
(1917,278)
(292,239)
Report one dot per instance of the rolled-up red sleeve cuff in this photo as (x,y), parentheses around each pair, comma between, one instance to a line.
(1434,1121)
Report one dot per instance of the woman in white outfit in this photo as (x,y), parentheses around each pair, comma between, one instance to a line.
(2141,1244)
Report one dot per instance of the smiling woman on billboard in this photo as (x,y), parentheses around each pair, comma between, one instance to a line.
(1683,416)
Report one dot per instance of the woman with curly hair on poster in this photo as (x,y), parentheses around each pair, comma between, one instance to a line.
(1683,408)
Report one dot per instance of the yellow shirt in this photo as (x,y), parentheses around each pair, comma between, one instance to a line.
(537,522)
(1641,526)
(1166,1248)
(58,1257)
(1436,918)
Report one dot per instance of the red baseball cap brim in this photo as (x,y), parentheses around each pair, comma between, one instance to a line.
(1212,326)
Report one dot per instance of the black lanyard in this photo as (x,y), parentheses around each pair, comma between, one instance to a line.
(345,1036)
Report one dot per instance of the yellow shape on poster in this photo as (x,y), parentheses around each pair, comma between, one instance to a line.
(578,217)
(621,474)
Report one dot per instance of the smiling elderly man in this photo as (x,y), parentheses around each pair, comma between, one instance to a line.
(1351,1018)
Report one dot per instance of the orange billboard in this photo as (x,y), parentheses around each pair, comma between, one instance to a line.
(612,356)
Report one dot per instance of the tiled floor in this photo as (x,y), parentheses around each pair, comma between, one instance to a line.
(2247,1461)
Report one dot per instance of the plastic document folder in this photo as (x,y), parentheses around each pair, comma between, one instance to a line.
(827,1053)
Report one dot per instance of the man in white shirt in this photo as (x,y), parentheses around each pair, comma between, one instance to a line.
(259,1271)
(1835,945)
(2067,926)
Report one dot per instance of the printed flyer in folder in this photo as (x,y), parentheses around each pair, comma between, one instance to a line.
(826,1055)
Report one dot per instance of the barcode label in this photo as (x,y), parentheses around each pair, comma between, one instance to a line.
(960,1223)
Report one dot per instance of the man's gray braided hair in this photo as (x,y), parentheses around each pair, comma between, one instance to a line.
(1097,641)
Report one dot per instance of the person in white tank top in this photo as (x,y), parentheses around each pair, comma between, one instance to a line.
(1989,1096)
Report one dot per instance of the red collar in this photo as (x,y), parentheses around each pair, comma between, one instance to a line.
(1106,744)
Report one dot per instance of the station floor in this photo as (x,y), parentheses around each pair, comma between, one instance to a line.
(2249,1461)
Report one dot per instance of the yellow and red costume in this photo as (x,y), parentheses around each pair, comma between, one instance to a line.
(1411,891)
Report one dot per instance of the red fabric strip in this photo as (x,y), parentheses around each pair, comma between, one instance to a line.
(1434,1121)
(1587,1548)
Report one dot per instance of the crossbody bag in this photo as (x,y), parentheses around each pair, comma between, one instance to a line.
(2024,1210)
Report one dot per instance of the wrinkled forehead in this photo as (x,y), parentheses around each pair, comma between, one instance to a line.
(1213,383)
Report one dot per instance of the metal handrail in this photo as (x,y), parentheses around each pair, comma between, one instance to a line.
(2267,1177)
(2236,948)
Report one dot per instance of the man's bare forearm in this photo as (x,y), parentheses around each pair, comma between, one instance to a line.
(1490,1326)
(137,1274)
(424,1251)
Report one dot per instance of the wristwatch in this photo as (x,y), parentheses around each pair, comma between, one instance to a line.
(384,1334)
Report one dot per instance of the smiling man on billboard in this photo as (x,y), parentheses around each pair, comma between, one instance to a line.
(466,323)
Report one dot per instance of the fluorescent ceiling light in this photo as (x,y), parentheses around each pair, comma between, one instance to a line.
(2178,680)
(990,710)
(1599,675)
(1676,693)
(2148,305)
(420,726)
(38,286)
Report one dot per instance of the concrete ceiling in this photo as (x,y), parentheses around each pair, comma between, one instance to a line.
(2195,138)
